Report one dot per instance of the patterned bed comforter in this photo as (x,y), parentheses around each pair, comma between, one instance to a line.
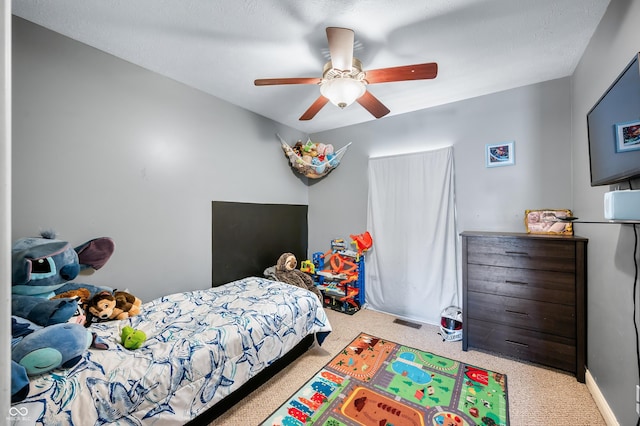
(200,347)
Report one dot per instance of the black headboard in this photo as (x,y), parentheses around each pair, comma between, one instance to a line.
(247,238)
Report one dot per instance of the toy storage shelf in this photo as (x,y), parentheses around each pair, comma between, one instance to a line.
(339,295)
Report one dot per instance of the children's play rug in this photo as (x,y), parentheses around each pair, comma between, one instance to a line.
(378,382)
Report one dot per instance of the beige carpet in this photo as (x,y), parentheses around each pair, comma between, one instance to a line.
(537,395)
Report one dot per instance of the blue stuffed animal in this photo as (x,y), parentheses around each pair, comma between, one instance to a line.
(44,334)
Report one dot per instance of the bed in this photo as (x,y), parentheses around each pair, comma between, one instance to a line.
(202,347)
(206,349)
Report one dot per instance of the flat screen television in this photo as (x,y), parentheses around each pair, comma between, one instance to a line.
(613,126)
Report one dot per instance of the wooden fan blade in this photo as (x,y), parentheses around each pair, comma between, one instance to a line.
(407,72)
(314,108)
(373,105)
(340,47)
(275,81)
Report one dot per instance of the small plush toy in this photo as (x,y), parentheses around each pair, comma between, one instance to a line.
(117,306)
(286,272)
(82,294)
(132,338)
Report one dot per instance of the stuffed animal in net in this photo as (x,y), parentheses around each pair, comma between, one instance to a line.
(45,331)
(286,272)
(118,305)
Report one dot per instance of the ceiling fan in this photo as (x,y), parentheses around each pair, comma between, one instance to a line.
(343,81)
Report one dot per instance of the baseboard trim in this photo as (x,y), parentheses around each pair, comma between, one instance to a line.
(601,403)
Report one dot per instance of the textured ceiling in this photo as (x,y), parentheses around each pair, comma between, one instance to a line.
(222,46)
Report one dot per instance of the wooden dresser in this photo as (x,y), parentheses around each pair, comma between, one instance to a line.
(524,296)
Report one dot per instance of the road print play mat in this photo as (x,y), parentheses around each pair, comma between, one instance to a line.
(377,382)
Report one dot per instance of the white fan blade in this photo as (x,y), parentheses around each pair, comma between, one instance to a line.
(341,47)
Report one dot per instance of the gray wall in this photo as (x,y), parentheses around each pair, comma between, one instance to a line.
(105,148)
(536,117)
(611,342)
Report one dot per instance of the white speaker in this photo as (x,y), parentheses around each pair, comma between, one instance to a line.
(622,205)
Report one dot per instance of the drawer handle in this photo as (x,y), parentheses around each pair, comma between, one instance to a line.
(518,253)
(517,343)
(516,312)
(516,282)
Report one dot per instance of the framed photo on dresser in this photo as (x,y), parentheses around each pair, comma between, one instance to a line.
(548,222)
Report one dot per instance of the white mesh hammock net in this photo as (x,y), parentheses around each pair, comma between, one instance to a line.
(317,159)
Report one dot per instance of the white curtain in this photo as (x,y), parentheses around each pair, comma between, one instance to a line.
(411,271)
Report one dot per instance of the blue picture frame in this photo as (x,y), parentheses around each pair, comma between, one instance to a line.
(500,154)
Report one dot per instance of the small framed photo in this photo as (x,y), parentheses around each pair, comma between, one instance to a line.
(548,222)
(628,136)
(500,154)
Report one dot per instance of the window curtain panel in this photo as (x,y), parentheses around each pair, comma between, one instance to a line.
(411,271)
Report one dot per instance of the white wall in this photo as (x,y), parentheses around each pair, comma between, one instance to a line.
(105,148)
(611,336)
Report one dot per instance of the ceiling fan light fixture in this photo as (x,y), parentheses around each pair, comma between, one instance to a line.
(342,92)
(343,85)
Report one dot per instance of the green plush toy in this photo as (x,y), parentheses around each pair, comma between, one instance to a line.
(132,338)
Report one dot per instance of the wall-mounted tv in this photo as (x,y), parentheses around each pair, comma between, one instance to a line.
(613,126)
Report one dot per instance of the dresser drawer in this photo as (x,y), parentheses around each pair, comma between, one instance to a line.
(545,317)
(554,351)
(548,286)
(550,255)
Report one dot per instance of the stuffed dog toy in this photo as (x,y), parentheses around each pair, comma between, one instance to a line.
(117,306)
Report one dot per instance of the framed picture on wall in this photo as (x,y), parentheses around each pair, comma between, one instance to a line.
(500,154)
(628,136)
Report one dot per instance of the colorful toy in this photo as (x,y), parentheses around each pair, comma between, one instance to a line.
(319,166)
(340,273)
(338,244)
(132,338)
(42,336)
(310,147)
(308,267)
(363,242)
